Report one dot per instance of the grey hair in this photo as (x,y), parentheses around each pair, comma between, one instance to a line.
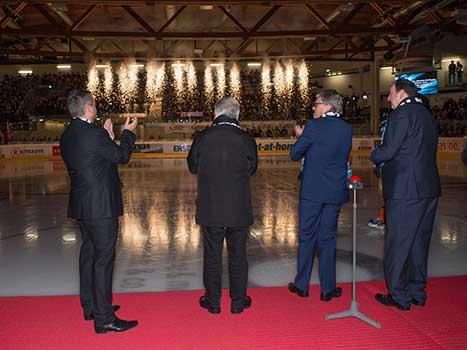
(77,102)
(333,98)
(227,106)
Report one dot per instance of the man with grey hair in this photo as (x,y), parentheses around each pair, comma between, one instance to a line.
(224,157)
(324,143)
(91,158)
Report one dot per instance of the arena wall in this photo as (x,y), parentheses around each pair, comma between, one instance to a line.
(179,148)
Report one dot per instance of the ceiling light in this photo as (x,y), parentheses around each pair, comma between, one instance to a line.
(25,71)
(63,66)
(178,65)
(102,65)
(254,64)
(206,7)
(216,64)
(137,65)
(385,68)
(328,70)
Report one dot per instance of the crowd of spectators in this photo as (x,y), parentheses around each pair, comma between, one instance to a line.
(272,132)
(24,97)
(451,117)
(36,95)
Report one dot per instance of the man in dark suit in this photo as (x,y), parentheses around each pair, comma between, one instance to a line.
(324,143)
(411,188)
(224,156)
(91,158)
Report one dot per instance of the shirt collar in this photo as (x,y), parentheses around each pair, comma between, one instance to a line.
(409,100)
(83,119)
(331,114)
(224,120)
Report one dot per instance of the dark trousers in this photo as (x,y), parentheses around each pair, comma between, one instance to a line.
(96,264)
(317,225)
(213,238)
(409,229)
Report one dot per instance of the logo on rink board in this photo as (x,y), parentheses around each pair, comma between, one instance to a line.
(182,148)
(274,146)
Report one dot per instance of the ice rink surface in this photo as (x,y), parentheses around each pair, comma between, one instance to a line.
(160,247)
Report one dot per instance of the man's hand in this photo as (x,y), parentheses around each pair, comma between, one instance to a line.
(298,130)
(130,124)
(109,127)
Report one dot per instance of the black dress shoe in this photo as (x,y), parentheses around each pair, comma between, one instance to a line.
(336,293)
(117,325)
(294,289)
(205,304)
(387,300)
(417,302)
(89,317)
(239,309)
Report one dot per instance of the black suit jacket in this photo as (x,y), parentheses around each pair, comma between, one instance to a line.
(224,157)
(91,158)
(408,152)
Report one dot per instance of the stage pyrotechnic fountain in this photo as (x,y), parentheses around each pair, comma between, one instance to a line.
(155,79)
(191,77)
(235,83)
(208,84)
(108,80)
(303,81)
(221,84)
(128,80)
(266,86)
(93,79)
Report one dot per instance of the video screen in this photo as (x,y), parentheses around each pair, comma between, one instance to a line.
(427,82)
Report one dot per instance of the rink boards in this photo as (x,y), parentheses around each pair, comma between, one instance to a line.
(449,147)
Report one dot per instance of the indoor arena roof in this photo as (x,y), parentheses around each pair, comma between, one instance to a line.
(319,29)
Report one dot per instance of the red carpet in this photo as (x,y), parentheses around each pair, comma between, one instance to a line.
(277,320)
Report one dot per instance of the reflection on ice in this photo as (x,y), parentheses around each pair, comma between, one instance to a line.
(160,245)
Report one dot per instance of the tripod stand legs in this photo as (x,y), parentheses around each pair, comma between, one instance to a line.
(354,312)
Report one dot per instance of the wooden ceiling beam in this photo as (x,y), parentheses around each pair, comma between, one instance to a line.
(347,31)
(379,9)
(247,41)
(51,19)
(80,45)
(60,26)
(352,14)
(318,16)
(138,19)
(144,54)
(10,17)
(233,19)
(171,19)
(215,2)
(84,17)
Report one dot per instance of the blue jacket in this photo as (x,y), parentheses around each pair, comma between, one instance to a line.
(408,152)
(325,144)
